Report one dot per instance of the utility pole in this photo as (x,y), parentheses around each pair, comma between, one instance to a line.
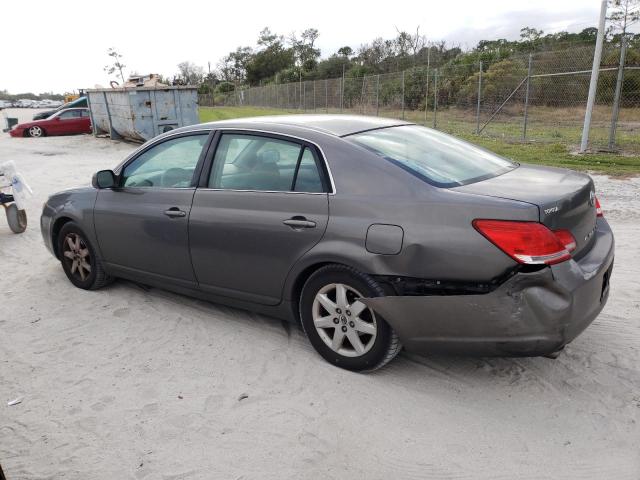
(595,70)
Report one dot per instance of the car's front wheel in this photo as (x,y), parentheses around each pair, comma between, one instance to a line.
(35,131)
(79,259)
(342,329)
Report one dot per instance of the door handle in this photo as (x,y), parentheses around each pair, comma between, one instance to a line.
(175,212)
(299,222)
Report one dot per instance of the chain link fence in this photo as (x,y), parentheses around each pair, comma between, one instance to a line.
(536,98)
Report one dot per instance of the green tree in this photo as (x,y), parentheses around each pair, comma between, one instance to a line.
(305,52)
(622,15)
(117,65)
(271,58)
(190,73)
(233,67)
(345,51)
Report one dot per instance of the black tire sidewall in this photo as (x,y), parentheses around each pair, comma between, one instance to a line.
(72,227)
(368,288)
(17,219)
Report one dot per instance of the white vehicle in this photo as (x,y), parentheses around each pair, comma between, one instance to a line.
(24,103)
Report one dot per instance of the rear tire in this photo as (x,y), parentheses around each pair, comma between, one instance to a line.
(16,218)
(343,330)
(80,260)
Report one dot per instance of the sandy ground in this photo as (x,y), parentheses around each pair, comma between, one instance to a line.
(132,382)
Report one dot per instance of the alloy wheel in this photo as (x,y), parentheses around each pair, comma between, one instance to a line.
(343,322)
(77,257)
(35,131)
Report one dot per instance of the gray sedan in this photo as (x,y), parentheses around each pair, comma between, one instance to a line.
(372,233)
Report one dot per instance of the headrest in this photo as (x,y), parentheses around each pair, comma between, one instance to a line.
(269,156)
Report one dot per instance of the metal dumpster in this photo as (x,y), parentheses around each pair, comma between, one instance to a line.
(140,114)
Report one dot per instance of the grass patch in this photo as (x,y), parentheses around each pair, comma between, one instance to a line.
(558,155)
(542,153)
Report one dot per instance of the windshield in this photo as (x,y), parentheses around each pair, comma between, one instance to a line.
(437,158)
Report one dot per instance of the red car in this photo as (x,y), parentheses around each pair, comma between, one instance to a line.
(65,122)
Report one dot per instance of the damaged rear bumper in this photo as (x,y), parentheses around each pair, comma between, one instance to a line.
(529,314)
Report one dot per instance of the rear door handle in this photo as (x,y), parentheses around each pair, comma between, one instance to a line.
(299,222)
(175,212)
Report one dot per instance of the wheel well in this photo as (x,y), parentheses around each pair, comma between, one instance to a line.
(57,226)
(299,283)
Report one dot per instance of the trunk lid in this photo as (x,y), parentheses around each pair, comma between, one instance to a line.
(565,199)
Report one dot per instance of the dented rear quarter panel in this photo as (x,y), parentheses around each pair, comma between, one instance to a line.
(439,241)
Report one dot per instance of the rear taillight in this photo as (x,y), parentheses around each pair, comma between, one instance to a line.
(566,238)
(599,212)
(527,242)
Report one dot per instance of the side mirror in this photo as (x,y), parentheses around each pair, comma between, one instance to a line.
(104,179)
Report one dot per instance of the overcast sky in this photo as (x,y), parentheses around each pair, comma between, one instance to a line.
(61,46)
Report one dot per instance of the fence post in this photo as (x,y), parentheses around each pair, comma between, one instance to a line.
(314,96)
(479,99)
(326,95)
(616,98)
(378,95)
(342,90)
(300,91)
(435,98)
(426,90)
(403,94)
(526,100)
(364,80)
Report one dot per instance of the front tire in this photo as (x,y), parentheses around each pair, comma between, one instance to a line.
(79,259)
(343,330)
(35,131)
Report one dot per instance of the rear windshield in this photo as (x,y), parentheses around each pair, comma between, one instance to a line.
(437,158)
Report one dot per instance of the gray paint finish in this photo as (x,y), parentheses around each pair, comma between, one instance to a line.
(233,247)
(384,239)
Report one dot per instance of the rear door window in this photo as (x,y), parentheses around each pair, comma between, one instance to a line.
(259,163)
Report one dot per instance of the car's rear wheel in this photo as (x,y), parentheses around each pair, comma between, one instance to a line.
(35,131)
(343,330)
(79,259)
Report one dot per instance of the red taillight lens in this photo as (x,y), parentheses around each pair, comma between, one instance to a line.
(566,238)
(525,242)
(599,212)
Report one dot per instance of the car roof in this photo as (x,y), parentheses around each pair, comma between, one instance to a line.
(338,125)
